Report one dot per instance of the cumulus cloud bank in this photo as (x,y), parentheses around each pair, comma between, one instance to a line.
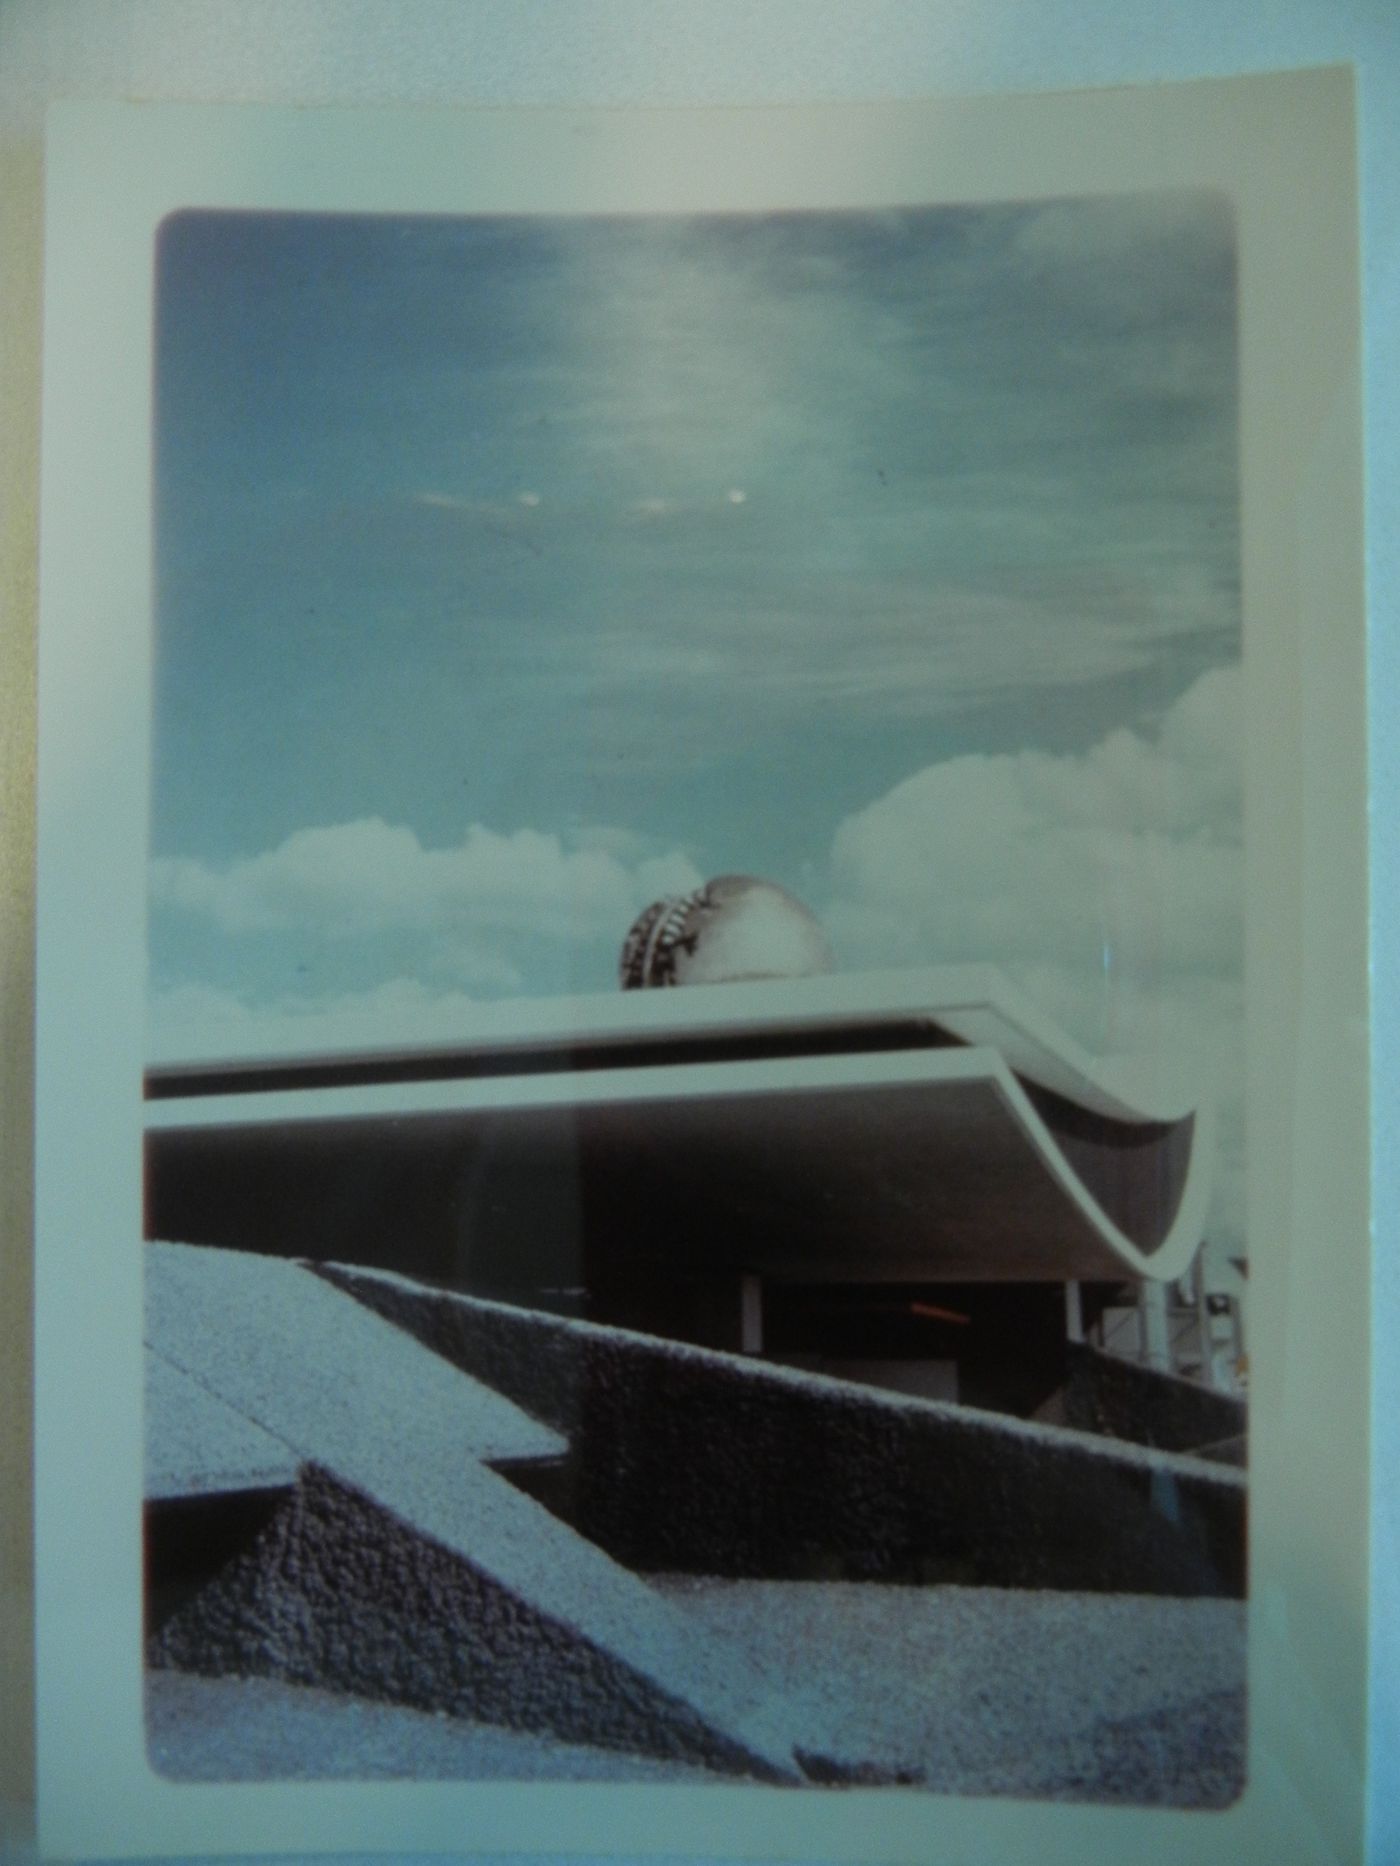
(1133,847)
(1108,884)
(182,1006)
(369,876)
(362,918)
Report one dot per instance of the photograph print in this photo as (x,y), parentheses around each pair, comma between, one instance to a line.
(694,1129)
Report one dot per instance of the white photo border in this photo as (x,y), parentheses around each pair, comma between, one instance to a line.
(1282,148)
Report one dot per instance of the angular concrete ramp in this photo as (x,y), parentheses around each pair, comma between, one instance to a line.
(685,1459)
(402,1566)
(1119,1399)
(196,1446)
(318,1372)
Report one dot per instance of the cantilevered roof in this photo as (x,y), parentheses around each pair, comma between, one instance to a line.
(903,1126)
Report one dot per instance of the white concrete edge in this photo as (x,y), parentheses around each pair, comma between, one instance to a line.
(1037,1433)
(1173,1255)
(689,1081)
(975,1003)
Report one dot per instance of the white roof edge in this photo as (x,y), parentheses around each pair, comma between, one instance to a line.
(975,1003)
(1172,1256)
(974,1064)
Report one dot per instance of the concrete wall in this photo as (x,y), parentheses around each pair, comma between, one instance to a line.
(1112,1396)
(338,1592)
(683,1459)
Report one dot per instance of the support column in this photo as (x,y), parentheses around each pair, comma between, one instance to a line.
(1074,1313)
(1156,1338)
(750,1314)
(1203,1328)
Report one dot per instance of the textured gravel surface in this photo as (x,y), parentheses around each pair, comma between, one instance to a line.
(262,1730)
(198,1446)
(400,1532)
(993,1690)
(400,1569)
(974,1691)
(684,1458)
(320,1372)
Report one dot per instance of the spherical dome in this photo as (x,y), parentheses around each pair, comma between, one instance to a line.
(735,927)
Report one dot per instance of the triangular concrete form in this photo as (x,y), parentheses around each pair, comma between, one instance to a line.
(403,1566)
(196,1446)
(685,1458)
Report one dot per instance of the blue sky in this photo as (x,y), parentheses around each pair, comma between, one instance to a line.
(511,572)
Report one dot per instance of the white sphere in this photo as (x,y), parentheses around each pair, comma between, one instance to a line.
(736,927)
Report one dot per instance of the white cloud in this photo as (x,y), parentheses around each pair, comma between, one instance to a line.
(477,965)
(659,875)
(1133,847)
(391,997)
(201,1006)
(1109,885)
(614,839)
(369,876)
(195,1004)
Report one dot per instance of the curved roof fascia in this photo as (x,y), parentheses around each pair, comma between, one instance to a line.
(1172,1257)
(921,1112)
(975,1004)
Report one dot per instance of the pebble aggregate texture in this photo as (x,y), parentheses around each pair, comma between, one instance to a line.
(404,1567)
(968,1690)
(398,1567)
(684,1458)
(1121,1400)
(203,1447)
